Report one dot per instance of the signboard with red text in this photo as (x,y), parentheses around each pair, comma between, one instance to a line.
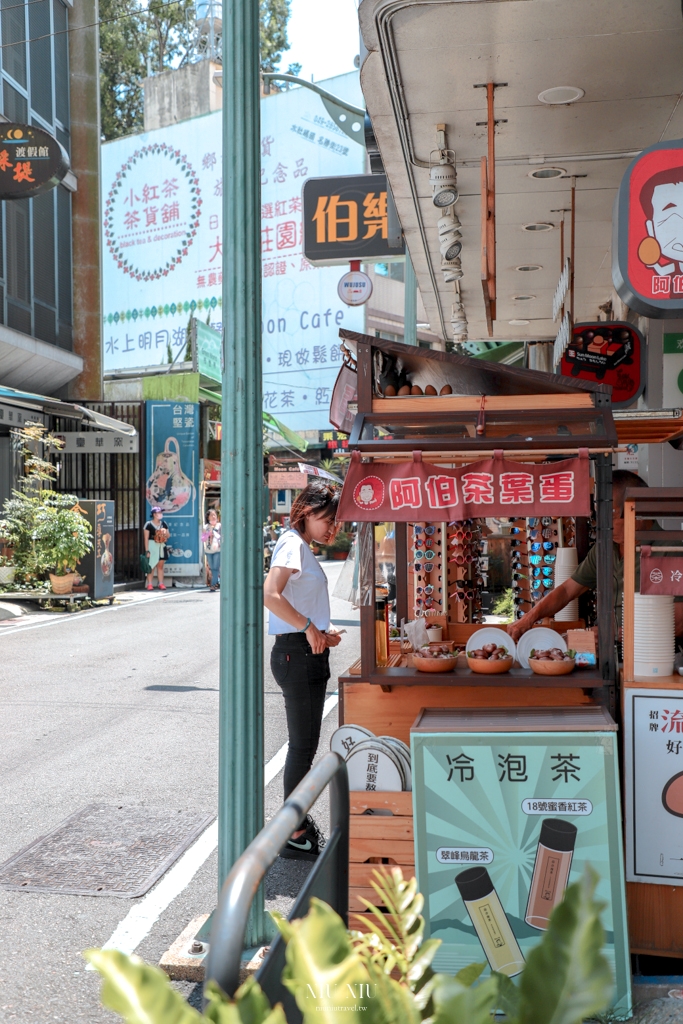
(660,574)
(420,491)
(647,248)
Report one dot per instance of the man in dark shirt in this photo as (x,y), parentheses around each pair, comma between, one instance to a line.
(585,576)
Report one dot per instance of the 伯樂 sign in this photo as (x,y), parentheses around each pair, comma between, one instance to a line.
(31,161)
(346,218)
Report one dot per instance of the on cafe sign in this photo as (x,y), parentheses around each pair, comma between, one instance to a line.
(647,249)
(412,492)
(31,161)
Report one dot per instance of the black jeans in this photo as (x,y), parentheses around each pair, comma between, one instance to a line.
(302,676)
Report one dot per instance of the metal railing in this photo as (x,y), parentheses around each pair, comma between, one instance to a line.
(329,881)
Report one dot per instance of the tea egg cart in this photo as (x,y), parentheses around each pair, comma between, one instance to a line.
(532,417)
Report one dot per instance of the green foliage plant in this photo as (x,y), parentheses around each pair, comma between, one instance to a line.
(385,974)
(44,528)
(505,605)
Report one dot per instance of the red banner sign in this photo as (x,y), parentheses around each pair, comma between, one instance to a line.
(419,491)
(660,574)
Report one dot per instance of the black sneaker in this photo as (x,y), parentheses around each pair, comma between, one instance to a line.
(308,845)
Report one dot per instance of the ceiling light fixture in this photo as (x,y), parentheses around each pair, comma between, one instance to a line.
(450,244)
(561,94)
(547,172)
(519,323)
(444,180)
(542,225)
(522,298)
(528,268)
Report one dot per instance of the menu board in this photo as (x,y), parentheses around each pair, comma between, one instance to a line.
(504,822)
(653,749)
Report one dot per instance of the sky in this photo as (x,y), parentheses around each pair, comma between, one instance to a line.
(323,36)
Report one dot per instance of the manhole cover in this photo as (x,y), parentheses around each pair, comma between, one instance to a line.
(104,851)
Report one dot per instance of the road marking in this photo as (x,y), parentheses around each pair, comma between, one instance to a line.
(140,920)
(96,611)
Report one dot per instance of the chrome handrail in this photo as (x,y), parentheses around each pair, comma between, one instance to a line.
(240,887)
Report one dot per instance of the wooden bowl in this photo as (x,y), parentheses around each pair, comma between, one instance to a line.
(552,668)
(434,664)
(490,668)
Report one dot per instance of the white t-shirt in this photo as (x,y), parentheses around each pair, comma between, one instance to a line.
(306,589)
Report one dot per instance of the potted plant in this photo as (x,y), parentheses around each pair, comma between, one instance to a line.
(62,538)
(7,570)
(339,550)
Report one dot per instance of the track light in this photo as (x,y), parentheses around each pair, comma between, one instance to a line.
(443,180)
(452,271)
(450,244)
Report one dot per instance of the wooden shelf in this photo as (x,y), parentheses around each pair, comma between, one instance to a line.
(589,679)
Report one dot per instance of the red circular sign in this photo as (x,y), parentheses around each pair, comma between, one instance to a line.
(369,493)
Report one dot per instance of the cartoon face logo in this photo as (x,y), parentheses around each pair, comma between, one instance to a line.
(661,199)
(369,493)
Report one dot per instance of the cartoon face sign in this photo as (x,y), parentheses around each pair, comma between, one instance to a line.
(661,198)
(369,493)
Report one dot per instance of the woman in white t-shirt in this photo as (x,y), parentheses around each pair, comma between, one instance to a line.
(295,594)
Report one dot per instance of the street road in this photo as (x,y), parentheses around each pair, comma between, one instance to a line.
(117,706)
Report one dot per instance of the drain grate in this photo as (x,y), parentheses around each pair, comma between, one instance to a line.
(104,851)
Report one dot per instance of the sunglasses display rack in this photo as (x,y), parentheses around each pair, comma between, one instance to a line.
(521,577)
(465,570)
(425,573)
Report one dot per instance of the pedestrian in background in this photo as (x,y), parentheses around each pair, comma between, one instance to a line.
(211,538)
(296,595)
(156,535)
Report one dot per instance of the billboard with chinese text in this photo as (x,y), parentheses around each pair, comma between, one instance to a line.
(162,247)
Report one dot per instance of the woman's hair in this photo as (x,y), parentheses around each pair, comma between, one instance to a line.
(215,511)
(316,499)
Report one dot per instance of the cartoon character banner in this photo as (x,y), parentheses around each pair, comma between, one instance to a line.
(172,469)
(414,491)
(647,249)
(162,247)
(504,822)
(611,353)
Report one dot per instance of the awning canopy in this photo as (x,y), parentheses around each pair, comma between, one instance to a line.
(54,407)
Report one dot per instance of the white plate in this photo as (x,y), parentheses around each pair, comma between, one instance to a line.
(403,751)
(344,739)
(491,635)
(381,775)
(376,744)
(538,638)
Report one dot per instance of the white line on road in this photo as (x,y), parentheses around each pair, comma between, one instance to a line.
(96,611)
(140,920)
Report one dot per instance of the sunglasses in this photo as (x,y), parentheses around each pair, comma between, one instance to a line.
(547,545)
(537,534)
(428,602)
(537,584)
(429,589)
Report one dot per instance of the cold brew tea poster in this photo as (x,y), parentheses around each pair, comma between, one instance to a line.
(503,823)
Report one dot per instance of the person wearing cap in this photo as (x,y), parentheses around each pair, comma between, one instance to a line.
(156,534)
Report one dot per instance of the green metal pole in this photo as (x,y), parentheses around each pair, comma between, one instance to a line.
(409,303)
(240,790)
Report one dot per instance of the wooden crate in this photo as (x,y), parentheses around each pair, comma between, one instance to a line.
(377,840)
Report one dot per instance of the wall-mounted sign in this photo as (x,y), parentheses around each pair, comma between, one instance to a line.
(660,574)
(354,288)
(653,798)
(647,249)
(206,350)
(287,480)
(346,218)
(31,161)
(91,441)
(611,352)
